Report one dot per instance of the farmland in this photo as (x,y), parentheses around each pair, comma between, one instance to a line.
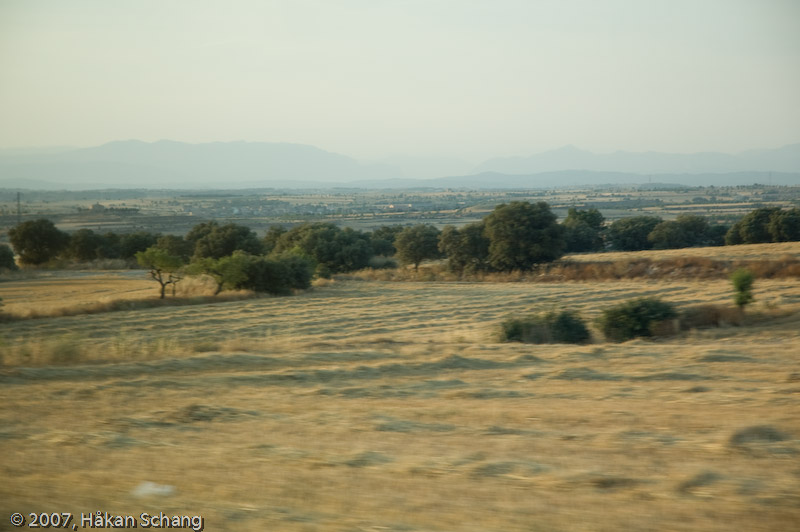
(366,405)
(176,211)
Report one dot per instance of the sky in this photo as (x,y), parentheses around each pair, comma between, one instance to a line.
(468,79)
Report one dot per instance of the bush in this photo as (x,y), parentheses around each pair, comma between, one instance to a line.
(634,318)
(564,327)
(742,280)
(277,275)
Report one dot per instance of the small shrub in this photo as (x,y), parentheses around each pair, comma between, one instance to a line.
(564,327)
(634,318)
(743,285)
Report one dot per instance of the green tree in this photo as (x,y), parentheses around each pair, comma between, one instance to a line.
(7,259)
(753,228)
(466,249)
(270,240)
(417,243)
(742,280)
(583,230)
(630,234)
(784,226)
(164,268)
(175,245)
(37,241)
(84,245)
(109,245)
(222,240)
(522,235)
(716,234)
(132,243)
(334,250)
(382,239)
(688,230)
(227,272)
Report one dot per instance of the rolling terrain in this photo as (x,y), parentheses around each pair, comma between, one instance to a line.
(391,406)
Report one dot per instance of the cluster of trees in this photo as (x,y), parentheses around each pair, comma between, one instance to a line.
(651,232)
(40,241)
(514,236)
(232,254)
(762,225)
(767,224)
(585,230)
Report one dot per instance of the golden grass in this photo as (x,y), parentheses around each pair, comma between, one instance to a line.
(391,406)
(679,267)
(741,252)
(56,294)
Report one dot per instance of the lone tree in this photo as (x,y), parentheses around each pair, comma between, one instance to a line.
(522,235)
(164,268)
(743,285)
(417,243)
(37,241)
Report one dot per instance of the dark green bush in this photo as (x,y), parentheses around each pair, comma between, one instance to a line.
(277,275)
(564,327)
(634,318)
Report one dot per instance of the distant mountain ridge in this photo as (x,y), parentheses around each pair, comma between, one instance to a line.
(785,159)
(170,164)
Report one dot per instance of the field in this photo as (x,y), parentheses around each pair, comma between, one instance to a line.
(379,406)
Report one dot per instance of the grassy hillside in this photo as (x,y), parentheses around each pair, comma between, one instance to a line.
(391,406)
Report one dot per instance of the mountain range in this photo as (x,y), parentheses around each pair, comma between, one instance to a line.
(170,164)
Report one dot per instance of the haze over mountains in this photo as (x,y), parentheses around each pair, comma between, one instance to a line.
(169,164)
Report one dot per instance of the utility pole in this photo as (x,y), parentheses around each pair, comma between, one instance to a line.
(19,210)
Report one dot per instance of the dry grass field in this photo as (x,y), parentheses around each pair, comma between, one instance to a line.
(744,252)
(377,406)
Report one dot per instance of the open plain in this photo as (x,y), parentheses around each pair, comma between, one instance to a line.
(376,406)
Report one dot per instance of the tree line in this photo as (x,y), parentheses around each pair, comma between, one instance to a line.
(514,236)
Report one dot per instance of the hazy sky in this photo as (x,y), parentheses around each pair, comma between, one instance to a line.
(369,78)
